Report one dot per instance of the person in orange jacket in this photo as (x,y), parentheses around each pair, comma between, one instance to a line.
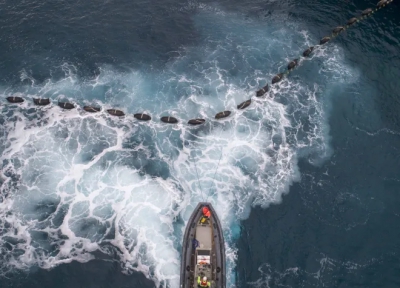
(203,283)
(206,214)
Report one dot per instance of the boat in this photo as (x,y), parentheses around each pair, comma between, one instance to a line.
(203,249)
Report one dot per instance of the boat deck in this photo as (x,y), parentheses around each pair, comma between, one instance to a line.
(203,252)
(203,235)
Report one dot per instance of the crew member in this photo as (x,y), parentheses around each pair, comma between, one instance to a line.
(203,283)
(206,214)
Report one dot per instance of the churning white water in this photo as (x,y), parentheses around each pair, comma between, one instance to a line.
(74,183)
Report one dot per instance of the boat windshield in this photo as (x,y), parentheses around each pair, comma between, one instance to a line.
(203,257)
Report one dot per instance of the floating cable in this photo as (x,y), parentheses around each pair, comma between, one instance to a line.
(364,14)
(219,116)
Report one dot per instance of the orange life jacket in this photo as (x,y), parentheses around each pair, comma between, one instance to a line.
(206,212)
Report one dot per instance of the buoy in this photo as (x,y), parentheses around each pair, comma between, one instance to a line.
(277,78)
(169,119)
(337,30)
(352,21)
(66,105)
(15,99)
(293,64)
(115,112)
(223,114)
(366,12)
(41,101)
(91,109)
(307,52)
(197,121)
(324,40)
(244,104)
(142,116)
(262,91)
(381,3)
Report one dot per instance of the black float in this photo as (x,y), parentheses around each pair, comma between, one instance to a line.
(15,99)
(337,30)
(366,12)
(262,91)
(352,21)
(244,104)
(41,101)
(277,78)
(142,116)
(66,105)
(381,3)
(91,109)
(115,112)
(197,121)
(222,114)
(324,40)
(293,64)
(308,51)
(169,119)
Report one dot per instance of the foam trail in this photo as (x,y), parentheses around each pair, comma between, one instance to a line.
(74,183)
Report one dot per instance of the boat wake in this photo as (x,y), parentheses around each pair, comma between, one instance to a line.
(73,183)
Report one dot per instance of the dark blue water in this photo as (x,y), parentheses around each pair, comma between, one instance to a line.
(308,182)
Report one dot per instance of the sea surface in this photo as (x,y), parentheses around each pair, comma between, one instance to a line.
(306,180)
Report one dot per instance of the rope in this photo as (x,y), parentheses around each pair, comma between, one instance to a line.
(215,173)
(198,181)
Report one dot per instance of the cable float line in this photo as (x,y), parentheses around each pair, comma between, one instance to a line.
(220,115)
(335,32)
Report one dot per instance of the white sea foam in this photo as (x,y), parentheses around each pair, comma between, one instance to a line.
(74,183)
